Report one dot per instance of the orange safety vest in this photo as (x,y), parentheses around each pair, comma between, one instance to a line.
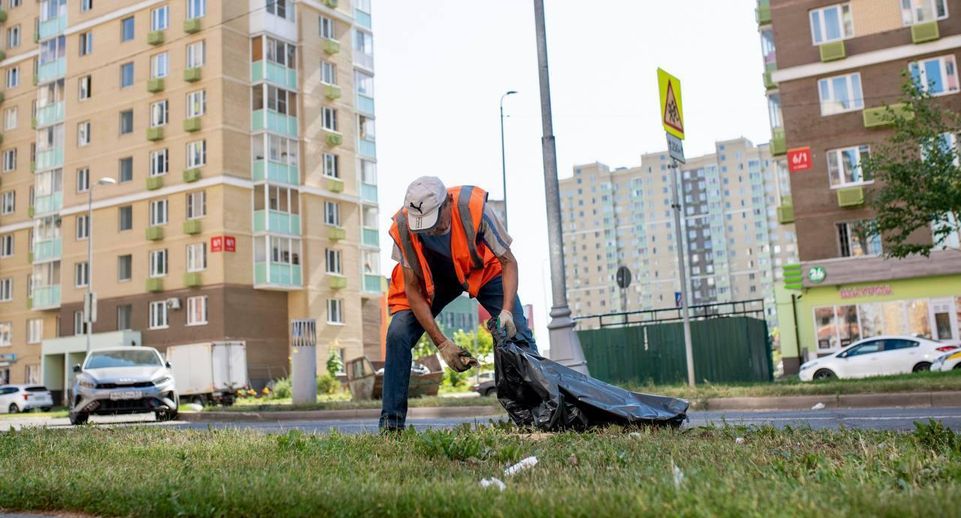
(474,262)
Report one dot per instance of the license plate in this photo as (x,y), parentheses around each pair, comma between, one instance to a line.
(132,394)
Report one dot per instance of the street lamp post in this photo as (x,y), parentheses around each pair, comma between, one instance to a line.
(503,156)
(88,302)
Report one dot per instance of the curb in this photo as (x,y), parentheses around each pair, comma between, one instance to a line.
(895,399)
(333,415)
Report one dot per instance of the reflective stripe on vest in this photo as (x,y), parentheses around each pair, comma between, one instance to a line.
(407,245)
(463,206)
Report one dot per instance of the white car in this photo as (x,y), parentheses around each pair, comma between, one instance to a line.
(948,361)
(876,356)
(23,398)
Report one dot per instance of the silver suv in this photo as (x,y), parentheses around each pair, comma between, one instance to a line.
(124,380)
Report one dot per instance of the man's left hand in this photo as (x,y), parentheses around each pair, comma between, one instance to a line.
(507,322)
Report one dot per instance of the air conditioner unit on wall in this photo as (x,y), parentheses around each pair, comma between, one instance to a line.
(173,303)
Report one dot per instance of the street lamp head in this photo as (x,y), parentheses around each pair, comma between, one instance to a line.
(511,92)
(106,180)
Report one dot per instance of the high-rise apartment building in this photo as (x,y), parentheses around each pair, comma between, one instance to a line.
(832,69)
(229,150)
(733,242)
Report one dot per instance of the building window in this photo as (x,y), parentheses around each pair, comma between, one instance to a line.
(79,324)
(126,169)
(158,263)
(364,83)
(83,133)
(86,5)
(365,127)
(196,103)
(83,227)
(840,94)
(331,165)
(158,65)
(328,73)
(85,85)
(126,122)
(124,268)
(81,274)
(127,29)
(334,261)
(855,241)
(159,164)
(332,213)
(282,53)
(34,330)
(6,289)
(335,311)
(831,23)
(158,212)
(197,310)
(158,314)
(326,27)
(86,43)
(844,166)
(9,160)
(13,37)
(83,179)
(126,75)
(197,257)
(13,77)
(6,338)
(124,317)
(196,54)
(159,18)
(196,8)
(125,218)
(196,204)
(8,202)
(6,245)
(281,8)
(329,118)
(923,11)
(936,76)
(158,114)
(196,154)
(10,118)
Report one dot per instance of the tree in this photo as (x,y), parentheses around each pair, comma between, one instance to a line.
(334,365)
(918,174)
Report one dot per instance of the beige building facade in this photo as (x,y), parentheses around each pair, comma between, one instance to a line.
(230,150)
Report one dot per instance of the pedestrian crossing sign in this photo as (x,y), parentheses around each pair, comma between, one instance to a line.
(672,109)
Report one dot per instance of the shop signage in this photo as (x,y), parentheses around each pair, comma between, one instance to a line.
(223,244)
(866,291)
(799,159)
(817,274)
(9,357)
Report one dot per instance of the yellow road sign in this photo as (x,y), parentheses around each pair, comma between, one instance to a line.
(672,109)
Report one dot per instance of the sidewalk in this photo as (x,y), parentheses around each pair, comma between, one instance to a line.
(902,399)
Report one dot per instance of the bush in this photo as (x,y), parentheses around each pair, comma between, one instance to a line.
(281,389)
(454,379)
(327,384)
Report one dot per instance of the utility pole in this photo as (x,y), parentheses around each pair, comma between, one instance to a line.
(504,157)
(565,346)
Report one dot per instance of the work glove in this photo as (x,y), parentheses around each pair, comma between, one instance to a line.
(507,322)
(455,357)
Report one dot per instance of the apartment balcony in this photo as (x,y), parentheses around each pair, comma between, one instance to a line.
(276,222)
(785,212)
(885,115)
(925,32)
(769,82)
(336,233)
(277,275)
(368,192)
(778,142)
(335,185)
(155,233)
(333,138)
(336,282)
(277,172)
(364,60)
(155,38)
(193,279)
(370,237)
(48,204)
(373,283)
(193,227)
(154,182)
(332,92)
(331,46)
(52,27)
(361,18)
(850,196)
(155,134)
(192,124)
(52,71)
(47,250)
(279,75)
(274,122)
(154,284)
(367,148)
(331,3)
(45,297)
(50,114)
(365,104)
(833,51)
(3,16)
(155,85)
(193,25)
(49,159)
(763,12)
(192,75)
(192,175)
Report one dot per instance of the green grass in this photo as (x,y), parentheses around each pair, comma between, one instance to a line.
(267,405)
(158,471)
(55,412)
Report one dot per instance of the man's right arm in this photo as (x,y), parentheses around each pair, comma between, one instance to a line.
(420,307)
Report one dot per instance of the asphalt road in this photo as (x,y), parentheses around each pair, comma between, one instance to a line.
(898,419)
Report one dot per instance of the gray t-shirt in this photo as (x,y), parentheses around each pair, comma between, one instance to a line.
(491,231)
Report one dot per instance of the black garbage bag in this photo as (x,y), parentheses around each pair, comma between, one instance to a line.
(539,393)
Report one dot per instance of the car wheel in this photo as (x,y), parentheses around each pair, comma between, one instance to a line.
(13,408)
(922,367)
(490,392)
(825,374)
(79,419)
(46,408)
(165,415)
(198,400)
(957,367)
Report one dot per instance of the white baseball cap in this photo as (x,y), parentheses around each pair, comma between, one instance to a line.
(423,200)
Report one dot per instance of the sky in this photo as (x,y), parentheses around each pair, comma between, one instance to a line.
(442,66)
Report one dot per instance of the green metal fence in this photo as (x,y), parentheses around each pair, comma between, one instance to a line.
(726,349)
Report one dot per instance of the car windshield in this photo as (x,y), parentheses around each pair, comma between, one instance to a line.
(36,389)
(132,358)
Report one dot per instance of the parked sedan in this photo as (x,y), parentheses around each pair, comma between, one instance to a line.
(948,361)
(23,398)
(485,384)
(876,356)
(124,380)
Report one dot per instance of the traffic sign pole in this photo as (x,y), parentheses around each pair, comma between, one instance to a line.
(682,269)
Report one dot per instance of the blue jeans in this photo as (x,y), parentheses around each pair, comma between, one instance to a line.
(404,331)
